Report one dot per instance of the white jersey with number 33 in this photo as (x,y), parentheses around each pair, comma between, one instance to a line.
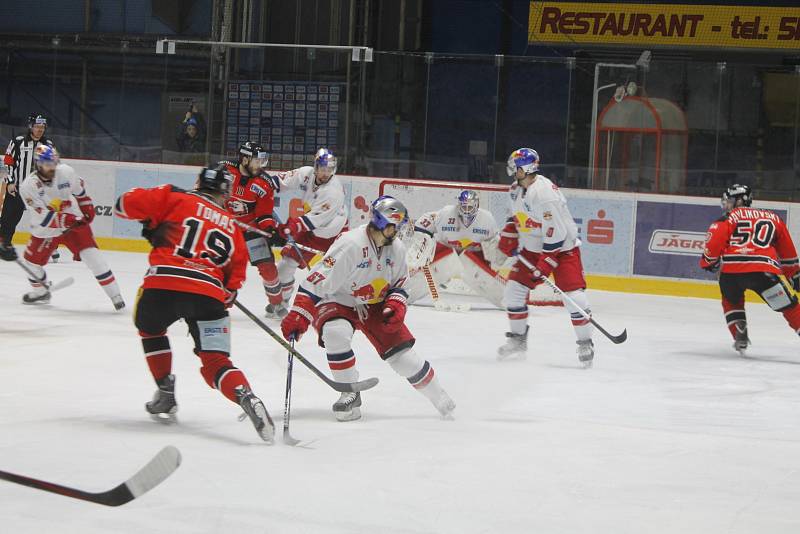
(448,229)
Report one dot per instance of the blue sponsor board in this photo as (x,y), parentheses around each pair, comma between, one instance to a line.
(670,239)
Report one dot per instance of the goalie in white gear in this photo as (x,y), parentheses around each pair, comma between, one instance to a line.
(457,241)
(541,230)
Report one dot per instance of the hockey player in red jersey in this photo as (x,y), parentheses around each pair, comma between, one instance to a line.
(751,247)
(197,264)
(252,201)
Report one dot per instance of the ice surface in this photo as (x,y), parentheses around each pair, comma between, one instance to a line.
(670,432)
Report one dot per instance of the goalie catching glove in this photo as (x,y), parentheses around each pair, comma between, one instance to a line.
(421,251)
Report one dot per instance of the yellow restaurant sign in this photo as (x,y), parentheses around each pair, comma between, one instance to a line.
(664,24)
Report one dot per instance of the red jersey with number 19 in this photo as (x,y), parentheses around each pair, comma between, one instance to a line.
(750,240)
(197,248)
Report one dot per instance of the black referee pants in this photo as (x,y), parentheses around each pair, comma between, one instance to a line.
(13,208)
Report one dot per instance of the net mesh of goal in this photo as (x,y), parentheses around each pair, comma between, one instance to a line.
(421,197)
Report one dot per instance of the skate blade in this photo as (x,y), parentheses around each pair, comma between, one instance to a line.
(587,364)
(164,418)
(512,356)
(352,415)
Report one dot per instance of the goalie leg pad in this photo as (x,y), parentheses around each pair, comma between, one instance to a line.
(582,326)
(417,287)
(337,335)
(445,266)
(481,278)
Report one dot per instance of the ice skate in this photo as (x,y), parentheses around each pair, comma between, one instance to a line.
(118,303)
(516,346)
(257,412)
(741,339)
(276,311)
(348,407)
(445,405)
(585,352)
(40,295)
(163,406)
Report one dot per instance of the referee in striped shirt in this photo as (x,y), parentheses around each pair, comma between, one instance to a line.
(19,160)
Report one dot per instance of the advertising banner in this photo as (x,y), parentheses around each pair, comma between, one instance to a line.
(675,25)
(605,227)
(670,239)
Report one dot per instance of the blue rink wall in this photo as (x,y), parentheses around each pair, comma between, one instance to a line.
(630,242)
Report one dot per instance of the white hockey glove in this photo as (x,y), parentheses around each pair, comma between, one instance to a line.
(492,252)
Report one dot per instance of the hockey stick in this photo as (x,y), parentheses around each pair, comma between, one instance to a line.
(66,282)
(287,402)
(615,339)
(342,387)
(289,239)
(148,477)
(438,305)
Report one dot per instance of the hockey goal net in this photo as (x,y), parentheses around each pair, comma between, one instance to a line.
(422,196)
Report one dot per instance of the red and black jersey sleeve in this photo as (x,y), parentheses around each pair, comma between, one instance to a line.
(717,238)
(144,204)
(786,251)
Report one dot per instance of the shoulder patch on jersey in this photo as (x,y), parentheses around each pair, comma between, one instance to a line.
(329,261)
(547,215)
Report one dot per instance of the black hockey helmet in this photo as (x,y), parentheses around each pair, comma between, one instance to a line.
(257,154)
(35,119)
(216,179)
(735,193)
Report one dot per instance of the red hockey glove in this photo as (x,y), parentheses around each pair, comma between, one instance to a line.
(545,265)
(87,208)
(509,239)
(293,227)
(65,220)
(230,296)
(297,322)
(394,312)
(266,223)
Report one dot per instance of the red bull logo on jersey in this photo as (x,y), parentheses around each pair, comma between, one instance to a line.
(371,293)
(677,242)
(525,224)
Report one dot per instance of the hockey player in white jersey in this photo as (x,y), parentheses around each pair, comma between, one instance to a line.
(61,213)
(358,285)
(543,233)
(459,240)
(324,219)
